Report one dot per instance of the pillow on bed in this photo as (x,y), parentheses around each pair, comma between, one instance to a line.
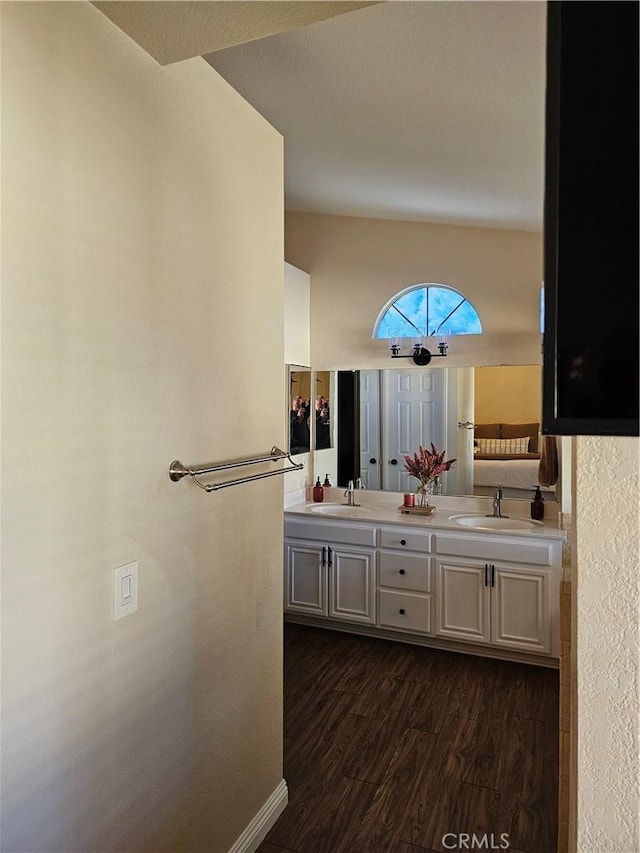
(487,431)
(520,431)
(502,445)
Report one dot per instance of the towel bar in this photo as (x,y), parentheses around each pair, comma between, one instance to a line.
(177,470)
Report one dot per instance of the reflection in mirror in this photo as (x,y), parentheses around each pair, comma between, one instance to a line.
(323,421)
(509,449)
(401,409)
(454,408)
(299,409)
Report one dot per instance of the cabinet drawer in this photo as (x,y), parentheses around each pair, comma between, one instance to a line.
(405,539)
(346,534)
(533,552)
(404,612)
(404,571)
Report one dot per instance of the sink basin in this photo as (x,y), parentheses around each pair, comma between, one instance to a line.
(482,522)
(338,509)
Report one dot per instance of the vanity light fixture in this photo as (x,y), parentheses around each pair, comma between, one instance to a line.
(420,355)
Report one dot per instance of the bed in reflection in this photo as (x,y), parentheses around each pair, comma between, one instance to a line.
(515,456)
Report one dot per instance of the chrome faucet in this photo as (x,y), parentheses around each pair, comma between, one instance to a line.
(359,485)
(497,503)
(349,495)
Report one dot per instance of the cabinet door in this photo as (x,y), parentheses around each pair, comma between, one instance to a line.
(463,601)
(351,585)
(520,617)
(305,578)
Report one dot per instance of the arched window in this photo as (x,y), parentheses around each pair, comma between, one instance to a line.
(427,310)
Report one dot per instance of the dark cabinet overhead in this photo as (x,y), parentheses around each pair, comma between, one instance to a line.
(591,352)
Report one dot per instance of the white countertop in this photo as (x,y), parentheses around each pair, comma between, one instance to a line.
(383,508)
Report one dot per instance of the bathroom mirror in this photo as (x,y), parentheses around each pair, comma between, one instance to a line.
(323,404)
(300,409)
(394,408)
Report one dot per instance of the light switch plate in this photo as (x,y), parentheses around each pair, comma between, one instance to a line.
(125,590)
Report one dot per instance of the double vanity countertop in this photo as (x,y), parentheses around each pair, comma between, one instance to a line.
(459,514)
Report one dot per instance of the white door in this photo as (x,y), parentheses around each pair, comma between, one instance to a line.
(370,428)
(305,589)
(415,413)
(520,618)
(351,596)
(463,601)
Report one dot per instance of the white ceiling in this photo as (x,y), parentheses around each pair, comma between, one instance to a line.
(430,111)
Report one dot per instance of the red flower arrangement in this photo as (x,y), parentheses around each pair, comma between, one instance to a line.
(427,465)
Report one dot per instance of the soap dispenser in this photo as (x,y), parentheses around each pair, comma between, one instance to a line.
(537,505)
(318,491)
(326,483)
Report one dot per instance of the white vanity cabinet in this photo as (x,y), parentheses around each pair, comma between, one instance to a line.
(404,580)
(478,592)
(498,591)
(330,570)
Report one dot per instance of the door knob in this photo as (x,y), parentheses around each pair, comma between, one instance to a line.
(372,461)
(393,461)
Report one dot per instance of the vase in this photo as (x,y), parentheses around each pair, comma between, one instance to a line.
(424,490)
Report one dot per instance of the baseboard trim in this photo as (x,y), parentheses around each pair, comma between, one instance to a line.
(256,831)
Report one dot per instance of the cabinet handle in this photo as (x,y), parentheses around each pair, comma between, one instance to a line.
(401,611)
(403,541)
(372,461)
(329,553)
(393,461)
(401,571)
(486,574)
(324,556)
(493,575)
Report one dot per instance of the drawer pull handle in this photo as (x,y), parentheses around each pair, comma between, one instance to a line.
(403,541)
(401,571)
(401,611)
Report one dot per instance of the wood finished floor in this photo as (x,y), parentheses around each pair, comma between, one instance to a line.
(389,746)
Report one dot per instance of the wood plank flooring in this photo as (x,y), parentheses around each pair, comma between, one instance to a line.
(389,747)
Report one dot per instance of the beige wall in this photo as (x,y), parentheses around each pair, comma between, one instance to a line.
(357,265)
(508,394)
(140,207)
(606,645)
